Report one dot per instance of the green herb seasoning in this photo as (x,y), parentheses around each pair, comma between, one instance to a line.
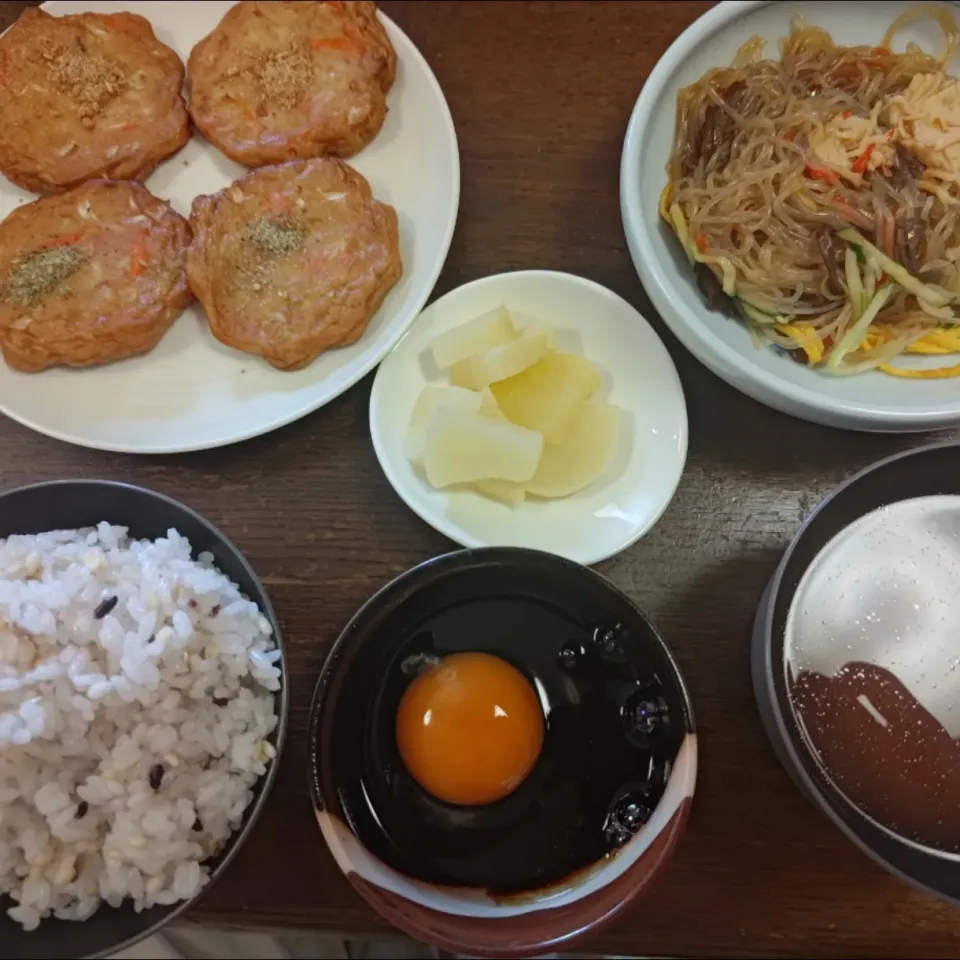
(276,236)
(40,273)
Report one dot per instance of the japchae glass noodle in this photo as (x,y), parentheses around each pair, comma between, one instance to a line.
(818,197)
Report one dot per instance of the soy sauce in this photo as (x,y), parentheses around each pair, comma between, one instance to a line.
(884,750)
(613,728)
(871,666)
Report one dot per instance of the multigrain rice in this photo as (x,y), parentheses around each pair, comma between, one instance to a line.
(136,699)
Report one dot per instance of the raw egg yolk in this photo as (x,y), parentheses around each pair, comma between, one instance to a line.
(470,728)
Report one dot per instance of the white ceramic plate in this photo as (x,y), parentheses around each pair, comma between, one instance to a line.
(639,376)
(192,392)
(872,401)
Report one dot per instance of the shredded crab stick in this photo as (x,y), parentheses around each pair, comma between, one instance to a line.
(138,256)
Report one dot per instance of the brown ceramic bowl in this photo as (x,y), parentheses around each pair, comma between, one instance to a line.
(592,824)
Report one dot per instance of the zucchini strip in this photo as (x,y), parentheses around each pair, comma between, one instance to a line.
(923,291)
(757,315)
(856,334)
(854,283)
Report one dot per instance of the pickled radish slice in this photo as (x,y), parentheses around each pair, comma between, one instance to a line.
(544,396)
(583,457)
(431,399)
(489,406)
(507,360)
(463,447)
(518,418)
(504,490)
(483,333)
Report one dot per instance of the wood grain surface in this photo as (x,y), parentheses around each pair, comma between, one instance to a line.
(540,94)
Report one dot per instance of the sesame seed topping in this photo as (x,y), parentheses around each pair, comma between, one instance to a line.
(40,273)
(89,80)
(284,77)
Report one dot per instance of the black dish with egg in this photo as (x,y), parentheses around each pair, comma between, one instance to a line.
(618,736)
(869,740)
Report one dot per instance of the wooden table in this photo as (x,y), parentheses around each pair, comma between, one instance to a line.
(541,93)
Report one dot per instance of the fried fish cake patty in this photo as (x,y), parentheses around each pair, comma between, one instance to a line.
(90,276)
(84,96)
(282,81)
(292,260)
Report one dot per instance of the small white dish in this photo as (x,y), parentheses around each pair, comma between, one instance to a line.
(192,392)
(639,376)
(871,401)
